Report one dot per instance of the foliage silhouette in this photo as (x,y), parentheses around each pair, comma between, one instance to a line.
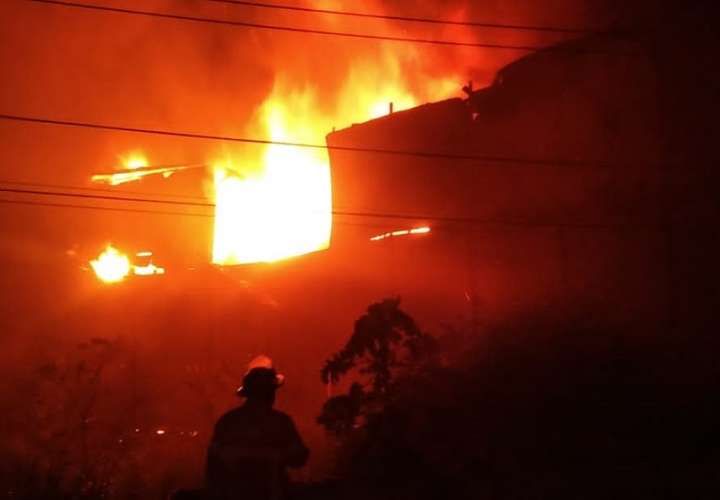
(385,343)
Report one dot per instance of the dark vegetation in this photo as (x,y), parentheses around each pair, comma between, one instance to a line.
(69,433)
(537,409)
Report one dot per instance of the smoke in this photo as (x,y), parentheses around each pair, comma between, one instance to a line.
(118,68)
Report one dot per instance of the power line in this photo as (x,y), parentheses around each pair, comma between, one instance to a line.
(347,213)
(476,24)
(153,212)
(243,24)
(267,142)
(100,190)
(87,196)
(95,207)
(148,211)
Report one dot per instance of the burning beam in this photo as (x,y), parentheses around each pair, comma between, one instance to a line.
(135,174)
(401,232)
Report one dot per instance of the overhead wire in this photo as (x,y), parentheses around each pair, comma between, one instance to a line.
(88,196)
(96,207)
(295,29)
(435,155)
(135,210)
(464,220)
(267,142)
(347,213)
(391,17)
(100,190)
(154,211)
(149,211)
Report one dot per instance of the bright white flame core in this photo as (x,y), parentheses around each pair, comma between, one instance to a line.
(135,160)
(111,266)
(282,213)
(282,209)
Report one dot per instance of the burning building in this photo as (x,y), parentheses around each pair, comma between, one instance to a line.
(559,185)
(582,176)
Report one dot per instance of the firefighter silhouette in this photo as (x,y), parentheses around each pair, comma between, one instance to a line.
(253,445)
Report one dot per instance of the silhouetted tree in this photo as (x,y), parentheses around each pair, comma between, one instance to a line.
(387,349)
(385,338)
(385,341)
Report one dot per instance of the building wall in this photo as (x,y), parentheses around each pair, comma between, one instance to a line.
(577,197)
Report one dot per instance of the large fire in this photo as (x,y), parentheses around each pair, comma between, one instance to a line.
(281,205)
(277,203)
(279,209)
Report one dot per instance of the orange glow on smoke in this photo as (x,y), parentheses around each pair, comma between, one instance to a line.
(130,162)
(402,99)
(134,160)
(111,266)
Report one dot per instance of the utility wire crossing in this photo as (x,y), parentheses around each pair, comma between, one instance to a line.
(347,213)
(426,20)
(293,29)
(382,151)
(35,185)
(103,208)
(156,212)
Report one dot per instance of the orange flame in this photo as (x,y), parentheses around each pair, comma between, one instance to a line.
(134,160)
(280,209)
(131,162)
(279,203)
(283,206)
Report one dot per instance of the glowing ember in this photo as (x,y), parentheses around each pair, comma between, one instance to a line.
(160,432)
(111,266)
(148,270)
(401,232)
(146,267)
